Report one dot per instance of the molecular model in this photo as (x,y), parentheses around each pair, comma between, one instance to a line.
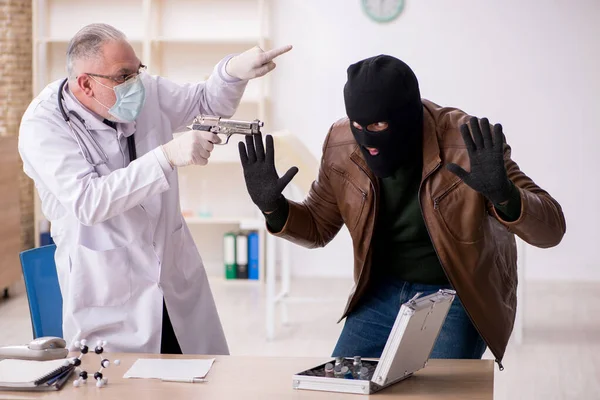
(104,363)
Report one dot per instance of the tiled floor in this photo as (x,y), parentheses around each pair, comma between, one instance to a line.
(558,359)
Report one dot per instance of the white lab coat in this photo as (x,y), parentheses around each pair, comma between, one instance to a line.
(122,243)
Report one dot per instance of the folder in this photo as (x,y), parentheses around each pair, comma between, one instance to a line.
(253,255)
(229,242)
(241,258)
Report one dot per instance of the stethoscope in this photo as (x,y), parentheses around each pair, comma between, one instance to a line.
(82,146)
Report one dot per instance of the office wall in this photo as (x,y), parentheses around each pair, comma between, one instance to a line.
(533,66)
(16,93)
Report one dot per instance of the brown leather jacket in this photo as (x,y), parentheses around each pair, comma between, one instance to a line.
(476,247)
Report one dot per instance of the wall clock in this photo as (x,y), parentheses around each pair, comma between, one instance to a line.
(383,10)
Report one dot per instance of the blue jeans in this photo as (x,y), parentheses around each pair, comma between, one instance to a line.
(367,328)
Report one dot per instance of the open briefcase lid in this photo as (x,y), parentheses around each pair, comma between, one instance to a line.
(413,336)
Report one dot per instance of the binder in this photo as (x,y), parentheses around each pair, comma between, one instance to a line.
(253,255)
(45,236)
(241,255)
(229,242)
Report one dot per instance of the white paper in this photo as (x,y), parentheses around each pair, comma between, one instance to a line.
(150,368)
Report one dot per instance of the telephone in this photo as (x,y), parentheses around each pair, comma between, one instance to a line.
(41,349)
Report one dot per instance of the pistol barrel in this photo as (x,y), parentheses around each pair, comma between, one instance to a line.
(226,126)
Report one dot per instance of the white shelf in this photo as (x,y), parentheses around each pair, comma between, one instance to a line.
(252,94)
(66,40)
(243,282)
(63,18)
(209,19)
(228,153)
(229,41)
(244,223)
(252,100)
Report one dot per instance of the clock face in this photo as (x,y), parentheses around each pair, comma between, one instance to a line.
(383,10)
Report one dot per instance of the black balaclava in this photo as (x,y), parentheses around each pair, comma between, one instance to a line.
(385,89)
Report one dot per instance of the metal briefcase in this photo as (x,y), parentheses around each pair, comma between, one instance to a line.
(406,351)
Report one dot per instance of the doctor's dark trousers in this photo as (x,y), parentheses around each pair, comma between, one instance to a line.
(168,342)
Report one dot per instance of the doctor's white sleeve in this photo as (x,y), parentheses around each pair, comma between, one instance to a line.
(52,158)
(219,95)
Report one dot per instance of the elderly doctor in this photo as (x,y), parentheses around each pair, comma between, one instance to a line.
(100,149)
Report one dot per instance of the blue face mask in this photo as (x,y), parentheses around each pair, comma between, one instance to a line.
(131,96)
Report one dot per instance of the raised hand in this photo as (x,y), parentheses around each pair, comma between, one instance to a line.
(262,181)
(486,154)
(254,63)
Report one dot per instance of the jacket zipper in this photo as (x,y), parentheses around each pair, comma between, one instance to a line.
(364,195)
(436,201)
(435,206)
(374,219)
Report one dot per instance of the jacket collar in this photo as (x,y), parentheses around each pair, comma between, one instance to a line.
(431,146)
(93,122)
(431,149)
(357,157)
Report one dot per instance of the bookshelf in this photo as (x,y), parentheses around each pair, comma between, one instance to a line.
(181,40)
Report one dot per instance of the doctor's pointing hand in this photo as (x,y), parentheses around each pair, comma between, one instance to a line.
(99,146)
(194,147)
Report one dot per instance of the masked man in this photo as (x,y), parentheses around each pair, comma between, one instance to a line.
(432,200)
(99,146)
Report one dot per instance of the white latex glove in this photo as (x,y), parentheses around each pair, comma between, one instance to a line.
(254,63)
(189,148)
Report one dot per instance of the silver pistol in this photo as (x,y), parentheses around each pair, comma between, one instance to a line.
(224,128)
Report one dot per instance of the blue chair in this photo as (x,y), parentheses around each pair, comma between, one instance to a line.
(43,290)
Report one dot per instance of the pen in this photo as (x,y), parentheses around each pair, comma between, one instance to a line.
(184,380)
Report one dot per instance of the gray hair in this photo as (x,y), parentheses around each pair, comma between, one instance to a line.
(87,43)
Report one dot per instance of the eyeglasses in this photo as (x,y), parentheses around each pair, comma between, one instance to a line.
(121,78)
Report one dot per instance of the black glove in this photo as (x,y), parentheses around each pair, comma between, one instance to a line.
(262,181)
(488,173)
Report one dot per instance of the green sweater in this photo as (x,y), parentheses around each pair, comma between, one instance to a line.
(402,247)
(401,244)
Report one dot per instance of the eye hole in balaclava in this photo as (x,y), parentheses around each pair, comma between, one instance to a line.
(383,89)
